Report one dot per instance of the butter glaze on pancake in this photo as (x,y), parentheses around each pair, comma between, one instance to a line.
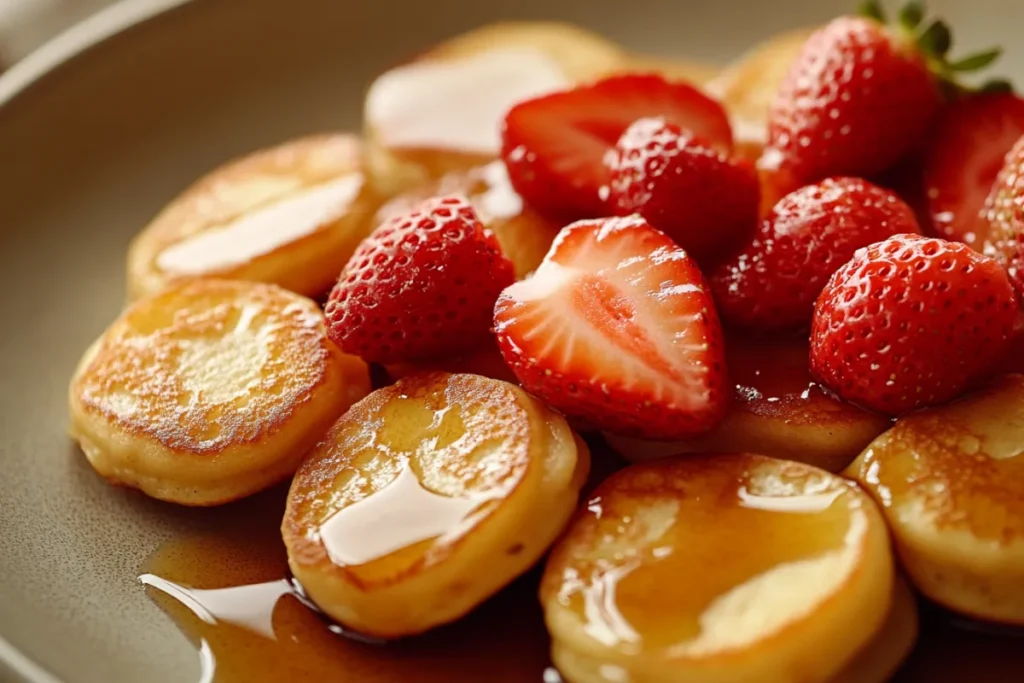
(426,498)
(666,574)
(208,366)
(290,215)
(368,449)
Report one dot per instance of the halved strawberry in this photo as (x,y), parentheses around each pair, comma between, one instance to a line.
(967,149)
(554,146)
(617,328)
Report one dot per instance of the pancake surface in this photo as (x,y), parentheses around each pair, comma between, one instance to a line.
(951,483)
(777,411)
(442,111)
(667,574)
(210,391)
(525,236)
(426,498)
(290,215)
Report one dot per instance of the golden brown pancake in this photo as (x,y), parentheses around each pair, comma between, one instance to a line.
(442,111)
(211,391)
(486,361)
(525,236)
(951,483)
(290,215)
(777,411)
(426,498)
(718,568)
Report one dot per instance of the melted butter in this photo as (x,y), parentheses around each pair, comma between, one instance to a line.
(401,514)
(458,104)
(682,576)
(262,231)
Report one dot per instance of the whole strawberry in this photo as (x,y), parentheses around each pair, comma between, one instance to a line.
(695,194)
(911,322)
(860,95)
(772,283)
(1003,217)
(421,285)
(616,328)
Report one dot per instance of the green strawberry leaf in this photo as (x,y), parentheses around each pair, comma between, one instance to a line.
(872,9)
(996,85)
(976,61)
(936,40)
(911,15)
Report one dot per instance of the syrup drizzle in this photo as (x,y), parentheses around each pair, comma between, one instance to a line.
(229,592)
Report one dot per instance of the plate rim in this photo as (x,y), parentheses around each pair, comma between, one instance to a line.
(44,60)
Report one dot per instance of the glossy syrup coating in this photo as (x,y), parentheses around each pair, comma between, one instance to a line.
(210,391)
(777,410)
(290,215)
(718,568)
(951,483)
(426,498)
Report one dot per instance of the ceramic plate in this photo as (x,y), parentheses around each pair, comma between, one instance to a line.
(101,128)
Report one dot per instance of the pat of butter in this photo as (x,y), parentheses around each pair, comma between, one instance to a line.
(458,104)
(262,231)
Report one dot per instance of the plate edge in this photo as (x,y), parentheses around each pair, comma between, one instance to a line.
(74,40)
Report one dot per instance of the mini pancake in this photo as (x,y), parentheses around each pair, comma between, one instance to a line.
(426,498)
(485,361)
(891,644)
(718,569)
(290,215)
(748,85)
(951,483)
(777,411)
(525,236)
(696,73)
(443,111)
(210,391)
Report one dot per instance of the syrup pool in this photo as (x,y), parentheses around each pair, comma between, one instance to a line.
(229,592)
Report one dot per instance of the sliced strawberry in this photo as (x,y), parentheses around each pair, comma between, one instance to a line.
(966,152)
(617,328)
(1002,218)
(554,146)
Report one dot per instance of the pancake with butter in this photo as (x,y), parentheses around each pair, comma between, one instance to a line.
(211,391)
(426,498)
(290,215)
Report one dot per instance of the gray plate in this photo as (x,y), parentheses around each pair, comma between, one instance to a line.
(97,132)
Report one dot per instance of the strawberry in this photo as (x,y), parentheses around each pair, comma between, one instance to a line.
(910,322)
(617,328)
(772,283)
(681,185)
(1002,217)
(966,151)
(860,95)
(554,146)
(423,284)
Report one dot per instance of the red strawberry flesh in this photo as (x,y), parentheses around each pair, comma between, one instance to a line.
(967,148)
(617,328)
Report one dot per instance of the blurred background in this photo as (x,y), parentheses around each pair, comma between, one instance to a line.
(25,24)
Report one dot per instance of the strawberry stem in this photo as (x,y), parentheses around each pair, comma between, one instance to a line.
(872,9)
